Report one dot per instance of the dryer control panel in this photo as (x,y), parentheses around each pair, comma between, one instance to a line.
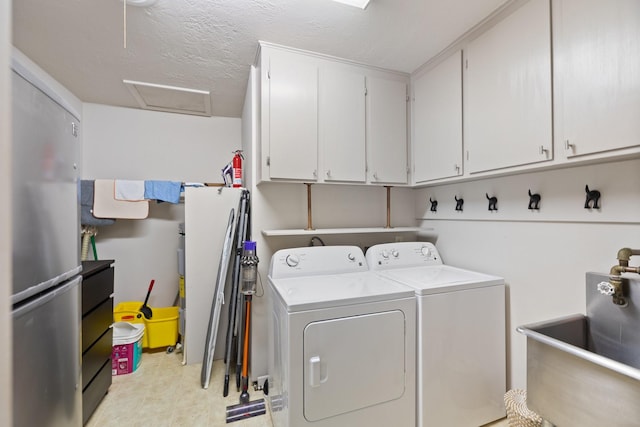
(316,260)
(402,254)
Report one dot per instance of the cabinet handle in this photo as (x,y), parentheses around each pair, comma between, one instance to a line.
(329,173)
(375,175)
(315,173)
(543,150)
(568,146)
(457,168)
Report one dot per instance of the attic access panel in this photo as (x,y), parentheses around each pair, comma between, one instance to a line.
(170,98)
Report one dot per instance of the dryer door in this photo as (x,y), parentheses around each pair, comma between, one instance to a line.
(353,362)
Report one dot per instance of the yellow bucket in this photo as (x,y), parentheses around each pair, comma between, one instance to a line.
(160,331)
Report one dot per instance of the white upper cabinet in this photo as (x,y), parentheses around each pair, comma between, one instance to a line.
(597,68)
(342,124)
(387,131)
(291,113)
(437,121)
(508,104)
(324,119)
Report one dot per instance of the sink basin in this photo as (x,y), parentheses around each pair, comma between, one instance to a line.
(585,370)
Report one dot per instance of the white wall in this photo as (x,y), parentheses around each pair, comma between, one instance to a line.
(543,255)
(123,143)
(5,215)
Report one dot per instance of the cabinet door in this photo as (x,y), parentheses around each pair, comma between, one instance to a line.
(437,121)
(387,131)
(342,124)
(508,92)
(597,64)
(293,116)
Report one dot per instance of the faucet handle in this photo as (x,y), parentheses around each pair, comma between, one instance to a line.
(606,288)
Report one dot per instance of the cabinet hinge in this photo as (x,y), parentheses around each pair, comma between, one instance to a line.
(74,129)
(268,161)
(466,64)
(409,98)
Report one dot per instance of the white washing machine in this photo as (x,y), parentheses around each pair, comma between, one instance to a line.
(460,335)
(343,341)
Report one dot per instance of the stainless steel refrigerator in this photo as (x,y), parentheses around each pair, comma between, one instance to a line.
(47,383)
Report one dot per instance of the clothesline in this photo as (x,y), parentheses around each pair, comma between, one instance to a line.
(102,201)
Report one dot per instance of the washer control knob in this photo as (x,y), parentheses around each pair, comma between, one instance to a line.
(395,253)
(351,257)
(385,254)
(425,251)
(292,260)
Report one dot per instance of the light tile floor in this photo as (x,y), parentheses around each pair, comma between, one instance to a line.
(162,392)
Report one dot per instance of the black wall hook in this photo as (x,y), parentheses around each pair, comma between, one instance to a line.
(459,203)
(593,197)
(434,205)
(534,200)
(493,202)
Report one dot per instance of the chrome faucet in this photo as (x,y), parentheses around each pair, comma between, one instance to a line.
(614,287)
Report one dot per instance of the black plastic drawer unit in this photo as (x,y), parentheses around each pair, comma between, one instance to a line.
(97,335)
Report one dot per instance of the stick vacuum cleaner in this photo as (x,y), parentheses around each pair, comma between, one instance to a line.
(249,274)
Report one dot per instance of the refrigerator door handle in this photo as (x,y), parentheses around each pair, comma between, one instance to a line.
(45,298)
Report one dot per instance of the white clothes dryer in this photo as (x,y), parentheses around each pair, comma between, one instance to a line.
(461,348)
(342,341)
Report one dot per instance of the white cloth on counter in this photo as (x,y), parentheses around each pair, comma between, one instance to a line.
(128,190)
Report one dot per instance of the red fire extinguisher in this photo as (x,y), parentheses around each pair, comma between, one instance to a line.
(237,169)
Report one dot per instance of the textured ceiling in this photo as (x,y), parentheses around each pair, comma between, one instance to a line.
(210,44)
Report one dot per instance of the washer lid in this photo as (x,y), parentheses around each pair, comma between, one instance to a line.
(314,292)
(440,278)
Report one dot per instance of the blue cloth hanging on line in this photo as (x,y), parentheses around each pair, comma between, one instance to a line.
(165,191)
